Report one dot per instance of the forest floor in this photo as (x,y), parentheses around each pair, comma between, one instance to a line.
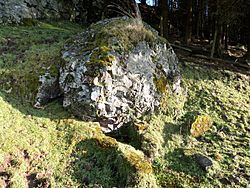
(50,148)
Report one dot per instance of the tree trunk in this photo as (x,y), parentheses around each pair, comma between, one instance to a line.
(211,26)
(188,24)
(248,46)
(216,49)
(226,37)
(248,51)
(137,12)
(214,42)
(164,18)
(247,33)
(143,2)
(198,17)
(203,13)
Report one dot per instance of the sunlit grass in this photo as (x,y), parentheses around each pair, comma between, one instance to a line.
(63,152)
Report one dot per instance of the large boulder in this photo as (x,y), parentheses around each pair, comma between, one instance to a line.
(18,11)
(96,10)
(82,11)
(117,70)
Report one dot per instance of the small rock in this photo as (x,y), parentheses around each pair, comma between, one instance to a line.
(86,181)
(204,161)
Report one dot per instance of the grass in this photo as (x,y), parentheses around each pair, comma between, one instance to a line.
(59,151)
(223,96)
(33,50)
(50,147)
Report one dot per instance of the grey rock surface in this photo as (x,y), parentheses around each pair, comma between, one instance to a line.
(116,71)
(82,11)
(14,11)
(204,161)
(48,90)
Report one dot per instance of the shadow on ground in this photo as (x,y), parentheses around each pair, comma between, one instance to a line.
(103,167)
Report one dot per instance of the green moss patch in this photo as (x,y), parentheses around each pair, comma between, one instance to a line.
(50,148)
(101,57)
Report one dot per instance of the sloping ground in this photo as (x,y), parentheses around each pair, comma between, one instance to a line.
(55,150)
(224,96)
(48,147)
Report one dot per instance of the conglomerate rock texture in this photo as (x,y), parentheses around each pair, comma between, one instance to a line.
(115,71)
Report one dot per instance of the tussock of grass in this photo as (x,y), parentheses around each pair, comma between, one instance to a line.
(127,32)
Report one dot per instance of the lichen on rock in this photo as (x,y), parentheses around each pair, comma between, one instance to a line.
(200,125)
(111,70)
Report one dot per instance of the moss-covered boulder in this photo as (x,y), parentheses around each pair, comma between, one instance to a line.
(117,70)
(82,11)
(24,11)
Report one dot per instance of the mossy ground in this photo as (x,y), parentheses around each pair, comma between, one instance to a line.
(33,50)
(49,147)
(222,96)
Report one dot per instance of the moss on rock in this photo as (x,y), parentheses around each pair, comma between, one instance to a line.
(101,57)
(119,67)
(29,22)
(126,33)
(161,84)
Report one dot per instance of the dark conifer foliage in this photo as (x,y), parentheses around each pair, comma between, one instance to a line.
(218,23)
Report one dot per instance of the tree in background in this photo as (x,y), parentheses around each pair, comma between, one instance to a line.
(143,2)
(222,22)
(188,21)
(163,4)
